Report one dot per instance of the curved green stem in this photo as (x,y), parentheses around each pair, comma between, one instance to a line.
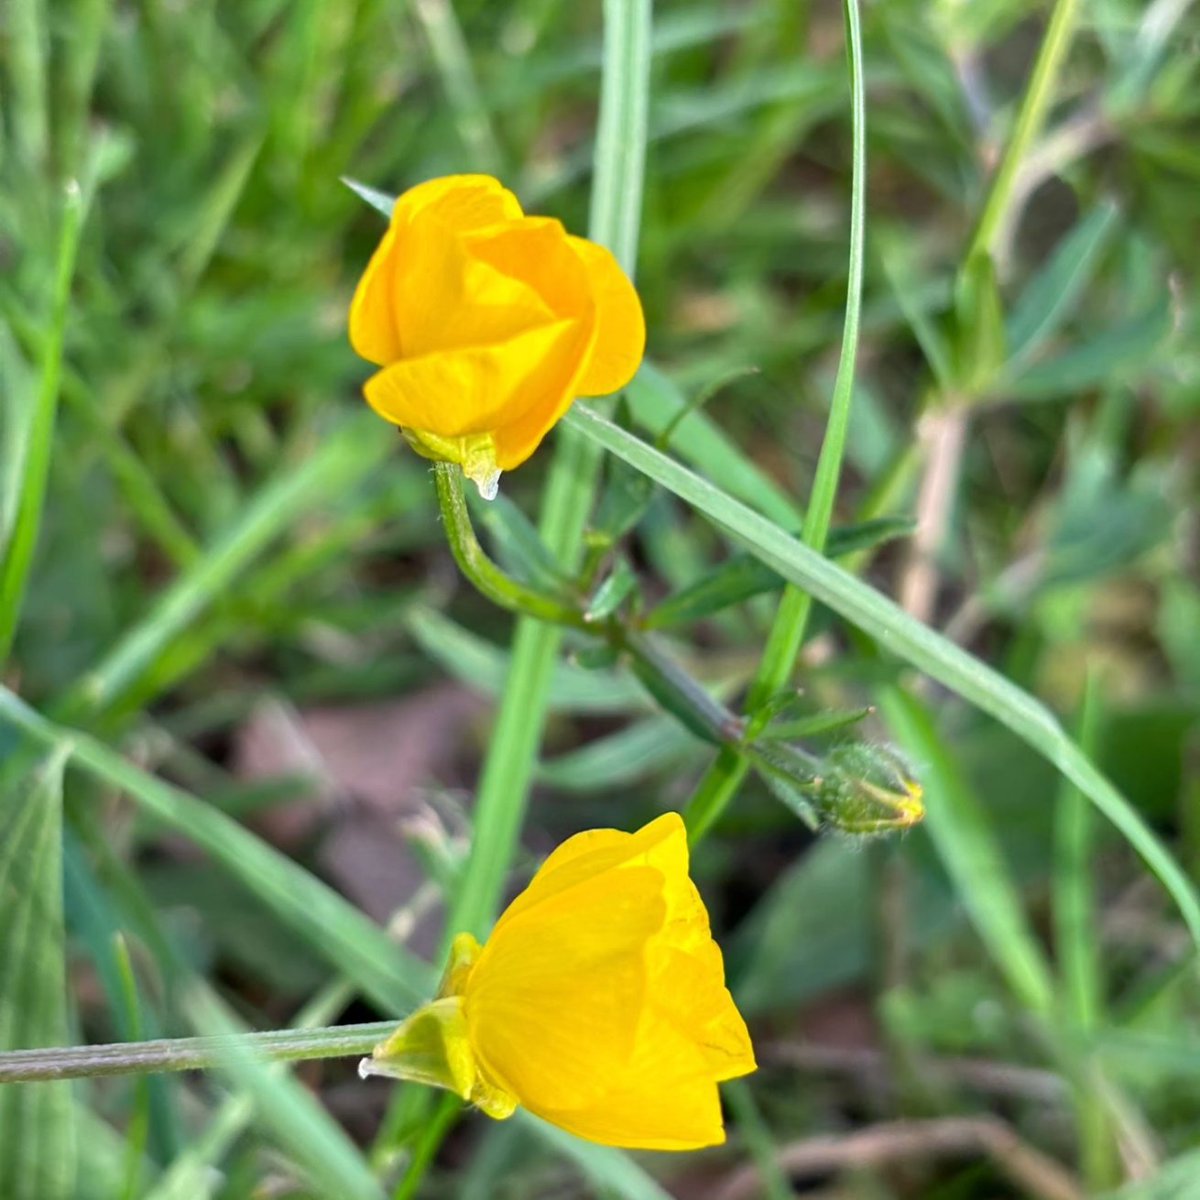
(664,678)
(487,578)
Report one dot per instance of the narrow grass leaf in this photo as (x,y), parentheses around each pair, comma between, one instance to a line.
(959,826)
(38,437)
(600,1165)
(292,1114)
(621,758)
(485,667)
(37,1121)
(900,634)
(1051,295)
(344,456)
(657,402)
(336,930)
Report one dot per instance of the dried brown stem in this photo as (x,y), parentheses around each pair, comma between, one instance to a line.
(899,1141)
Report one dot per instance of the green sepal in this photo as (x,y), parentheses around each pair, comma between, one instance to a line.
(431,1047)
(474,452)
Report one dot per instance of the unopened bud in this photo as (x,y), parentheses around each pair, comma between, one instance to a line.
(869,789)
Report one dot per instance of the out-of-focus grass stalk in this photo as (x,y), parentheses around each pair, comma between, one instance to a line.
(18,554)
(757,1136)
(1032,114)
(439,22)
(182,1179)
(723,778)
(27,74)
(1079,955)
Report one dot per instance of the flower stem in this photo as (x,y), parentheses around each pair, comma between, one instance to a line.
(487,578)
(662,676)
(190,1054)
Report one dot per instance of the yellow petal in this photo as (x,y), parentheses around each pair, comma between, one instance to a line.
(469,390)
(580,859)
(460,203)
(538,252)
(660,1099)
(373,332)
(448,297)
(620,324)
(554,1000)
(464,202)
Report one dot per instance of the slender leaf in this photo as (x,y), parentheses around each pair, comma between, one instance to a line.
(1051,294)
(900,634)
(37,1121)
(335,929)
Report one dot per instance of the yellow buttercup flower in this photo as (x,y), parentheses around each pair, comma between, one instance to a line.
(488,323)
(598,1001)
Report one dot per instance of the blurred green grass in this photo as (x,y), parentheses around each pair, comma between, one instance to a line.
(223,523)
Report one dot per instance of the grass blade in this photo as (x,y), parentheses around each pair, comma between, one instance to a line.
(39,434)
(960,830)
(343,457)
(337,930)
(37,1142)
(721,781)
(900,634)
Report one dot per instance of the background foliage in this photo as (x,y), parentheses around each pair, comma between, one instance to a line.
(240,601)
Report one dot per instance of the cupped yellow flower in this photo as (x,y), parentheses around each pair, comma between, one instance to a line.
(488,323)
(598,1002)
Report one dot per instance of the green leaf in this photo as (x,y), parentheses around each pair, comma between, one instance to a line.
(739,578)
(295,490)
(621,758)
(1175,1181)
(380,201)
(812,726)
(333,927)
(900,634)
(961,831)
(603,1166)
(291,1112)
(484,666)
(517,546)
(620,584)
(37,1121)
(1051,295)
(742,576)
(1127,347)
(657,401)
(35,441)
(623,503)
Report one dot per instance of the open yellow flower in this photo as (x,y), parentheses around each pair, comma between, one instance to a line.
(488,323)
(598,1002)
